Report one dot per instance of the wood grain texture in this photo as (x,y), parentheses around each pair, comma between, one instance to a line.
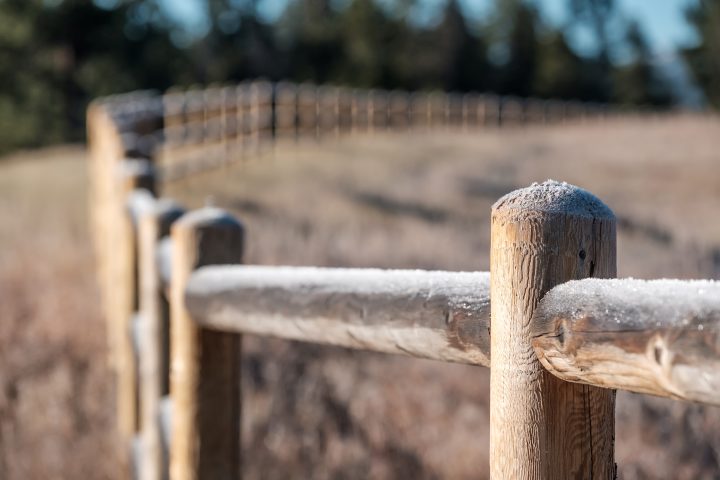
(104,152)
(154,221)
(540,426)
(437,315)
(660,337)
(205,364)
(132,177)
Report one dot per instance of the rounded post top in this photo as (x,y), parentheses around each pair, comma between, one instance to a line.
(553,197)
(135,167)
(208,217)
(164,207)
(141,204)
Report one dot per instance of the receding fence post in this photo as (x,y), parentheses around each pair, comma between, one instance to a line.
(105,151)
(540,426)
(205,364)
(153,225)
(132,174)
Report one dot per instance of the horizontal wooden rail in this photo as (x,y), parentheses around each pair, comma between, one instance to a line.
(660,337)
(437,315)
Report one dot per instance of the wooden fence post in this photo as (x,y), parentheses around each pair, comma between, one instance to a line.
(153,225)
(205,364)
(540,426)
(132,174)
(105,152)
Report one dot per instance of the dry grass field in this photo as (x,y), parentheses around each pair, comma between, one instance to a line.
(56,418)
(401,200)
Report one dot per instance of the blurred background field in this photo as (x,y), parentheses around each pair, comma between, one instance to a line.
(400,200)
(404,200)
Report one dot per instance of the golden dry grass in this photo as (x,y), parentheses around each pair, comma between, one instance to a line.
(402,200)
(56,418)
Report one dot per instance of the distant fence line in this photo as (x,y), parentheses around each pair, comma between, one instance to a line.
(177,302)
(193,130)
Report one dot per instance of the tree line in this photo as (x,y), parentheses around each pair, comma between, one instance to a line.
(56,55)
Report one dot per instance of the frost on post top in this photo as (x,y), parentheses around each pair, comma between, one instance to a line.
(552,196)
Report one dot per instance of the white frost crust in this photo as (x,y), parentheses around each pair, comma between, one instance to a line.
(438,315)
(637,304)
(135,167)
(552,196)
(207,216)
(139,202)
(660,337)
(368,281)
(164,259)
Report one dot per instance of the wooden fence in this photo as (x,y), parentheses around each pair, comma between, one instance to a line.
(194,130)
(177,299)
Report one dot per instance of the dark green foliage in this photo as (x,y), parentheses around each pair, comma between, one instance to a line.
(461,56)
(561,72)
(56,55)
(638,83)
(704,59)
(519,73)
(597,16)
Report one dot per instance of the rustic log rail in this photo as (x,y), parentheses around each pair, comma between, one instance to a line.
(175,317)
(438,315)
(660,337)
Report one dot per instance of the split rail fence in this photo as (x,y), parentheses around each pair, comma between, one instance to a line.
(563,333)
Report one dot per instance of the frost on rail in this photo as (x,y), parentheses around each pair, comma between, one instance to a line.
(437,315)
(660,337)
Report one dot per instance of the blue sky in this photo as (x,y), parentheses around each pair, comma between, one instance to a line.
(662,21)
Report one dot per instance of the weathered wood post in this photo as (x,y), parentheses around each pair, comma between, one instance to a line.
(205,364)
(540,426)
(241,119)
(153,225)
(105,151)
(227,121)
(132,174)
